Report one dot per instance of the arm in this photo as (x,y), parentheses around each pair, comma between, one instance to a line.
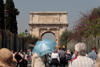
(20,60)
(58,58)
(27,57)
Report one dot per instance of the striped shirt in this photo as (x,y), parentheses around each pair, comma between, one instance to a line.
(82,61)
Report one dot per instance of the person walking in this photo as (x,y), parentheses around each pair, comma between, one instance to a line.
(55,61)
(74,56)
(93,54)
(62,56)
(20,60)
(13,52)
(37,61)
(21,53)
(26,58)
(68,57)
(82,60)
(30,55)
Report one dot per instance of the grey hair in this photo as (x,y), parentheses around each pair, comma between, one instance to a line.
(81,49)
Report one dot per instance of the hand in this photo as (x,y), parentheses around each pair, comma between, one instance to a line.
(21,60)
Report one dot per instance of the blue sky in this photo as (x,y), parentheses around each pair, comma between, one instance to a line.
(73,7)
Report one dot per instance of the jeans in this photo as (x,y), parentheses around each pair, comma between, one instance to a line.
(62,65)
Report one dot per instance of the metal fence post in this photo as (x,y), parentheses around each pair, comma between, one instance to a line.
(23,44)
(2,39)
(14,42)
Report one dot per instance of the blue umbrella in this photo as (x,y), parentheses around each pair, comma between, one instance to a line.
(44,47)
(49,43)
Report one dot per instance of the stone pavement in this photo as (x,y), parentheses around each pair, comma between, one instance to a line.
(29,65)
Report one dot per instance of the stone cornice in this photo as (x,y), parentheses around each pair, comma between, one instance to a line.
(48,12)
(46,23)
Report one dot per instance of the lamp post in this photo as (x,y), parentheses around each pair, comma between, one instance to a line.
(26,32)
(5,16)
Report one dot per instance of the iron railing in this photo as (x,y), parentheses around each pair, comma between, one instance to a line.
(12,41)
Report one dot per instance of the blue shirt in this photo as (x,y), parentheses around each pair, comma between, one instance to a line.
(92,55)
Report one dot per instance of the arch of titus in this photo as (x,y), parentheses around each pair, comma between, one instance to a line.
(48,22)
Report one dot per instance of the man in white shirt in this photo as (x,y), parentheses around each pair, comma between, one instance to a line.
(81,60)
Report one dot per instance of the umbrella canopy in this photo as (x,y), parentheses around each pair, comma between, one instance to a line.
(44,47)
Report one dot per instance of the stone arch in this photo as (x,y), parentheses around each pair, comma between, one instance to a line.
(43,22)
(48,32)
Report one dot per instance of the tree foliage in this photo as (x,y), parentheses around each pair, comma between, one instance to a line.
(96,11)
(87,25)
(92,28)
(11,22)
(29,39)
(63,38)
(1,14)
(22,35)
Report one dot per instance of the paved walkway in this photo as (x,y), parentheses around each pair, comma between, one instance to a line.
(29,65)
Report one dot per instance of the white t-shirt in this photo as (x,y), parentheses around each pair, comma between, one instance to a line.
(55,55)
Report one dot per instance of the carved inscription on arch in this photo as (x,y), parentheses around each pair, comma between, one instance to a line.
(48,18)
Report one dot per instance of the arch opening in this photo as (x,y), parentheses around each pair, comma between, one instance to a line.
(49,35)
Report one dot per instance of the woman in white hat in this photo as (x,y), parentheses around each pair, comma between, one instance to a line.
(6,58)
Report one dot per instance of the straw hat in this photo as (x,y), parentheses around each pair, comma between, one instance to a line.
(6,58)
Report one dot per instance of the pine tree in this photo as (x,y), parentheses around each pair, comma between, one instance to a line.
(11,23)
(16,12)
(1,14)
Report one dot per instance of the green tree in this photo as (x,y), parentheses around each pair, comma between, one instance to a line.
(11,23)
(96,11)
(93,27)
(22,35)
(1,14)
(86,25)
(29,39)
(63,38)
(15,28)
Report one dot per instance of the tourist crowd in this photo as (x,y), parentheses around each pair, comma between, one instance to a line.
(62,58)
(59,58)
